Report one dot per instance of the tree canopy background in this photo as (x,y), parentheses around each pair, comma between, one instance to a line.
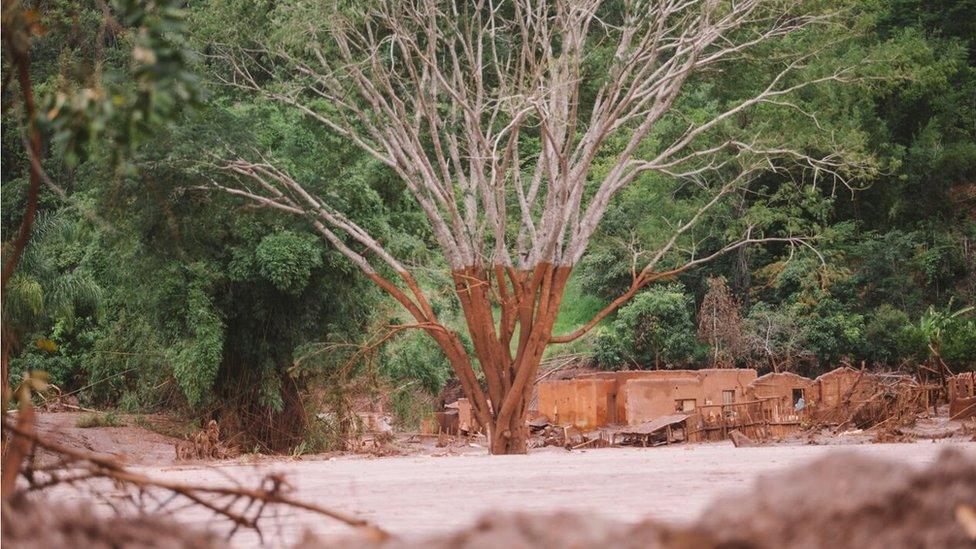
(140,289)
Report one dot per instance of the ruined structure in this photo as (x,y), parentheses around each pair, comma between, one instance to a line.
(785,389)
(456,418)
(962,385)
(845,384)
(708,404)
(634,397)
(585,402)
(962,395)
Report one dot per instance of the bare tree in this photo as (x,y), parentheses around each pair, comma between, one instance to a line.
(513,140)
(776,337)
(720,325)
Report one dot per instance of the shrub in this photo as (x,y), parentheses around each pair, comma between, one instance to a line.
(96,419)
(286,259)
(655,328)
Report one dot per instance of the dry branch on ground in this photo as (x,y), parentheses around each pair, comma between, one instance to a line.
(235,506)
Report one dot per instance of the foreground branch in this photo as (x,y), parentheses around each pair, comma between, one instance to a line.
(241,506)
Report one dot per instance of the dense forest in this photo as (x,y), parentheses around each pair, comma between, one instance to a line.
(141,288)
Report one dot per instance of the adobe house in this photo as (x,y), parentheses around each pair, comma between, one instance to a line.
(665,392)
(845,383)
(586,403)
(962,395)
(599,399)
(962,386)
(633,397)
(710,404)
(787,389)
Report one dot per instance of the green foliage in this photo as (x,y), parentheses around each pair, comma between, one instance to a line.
(948,335)
(100,419)
(196,358)
(959,345)
(577,308)
(776,335)
(885,341)
(286,260)
(415,360)
(832,330)
(655,329)
(410,407)
(50,301)
(50,285)
(24,299)
(122,104)
(886,252)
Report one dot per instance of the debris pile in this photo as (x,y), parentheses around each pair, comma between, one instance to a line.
(373,435)
(663,430)
(205,444)
(886,404)
(543,433)
(363,428)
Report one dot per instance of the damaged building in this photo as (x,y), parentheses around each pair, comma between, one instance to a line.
(705,404)
(962,395)
(633,397)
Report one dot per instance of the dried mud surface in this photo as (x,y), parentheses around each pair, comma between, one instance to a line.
(415,497)
(840,499)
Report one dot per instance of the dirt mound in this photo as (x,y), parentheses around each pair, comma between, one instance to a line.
(35,526)
(848,500)
(528,531)
(844,500)
(128,443)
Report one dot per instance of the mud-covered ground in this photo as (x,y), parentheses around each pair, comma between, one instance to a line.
(431,490)
(415,496)
(129,443)
(150,440)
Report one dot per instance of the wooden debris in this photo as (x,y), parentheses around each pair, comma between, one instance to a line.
(205,444)
(962,408)
(739,440)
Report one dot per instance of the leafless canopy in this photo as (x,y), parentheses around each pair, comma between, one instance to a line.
(720,325)
(513,135)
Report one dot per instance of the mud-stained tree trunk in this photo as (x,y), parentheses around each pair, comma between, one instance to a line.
(513,145)
(510,348)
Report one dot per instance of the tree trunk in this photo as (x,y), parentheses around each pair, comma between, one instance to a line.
(509,439)
(529,301)
(741,273)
